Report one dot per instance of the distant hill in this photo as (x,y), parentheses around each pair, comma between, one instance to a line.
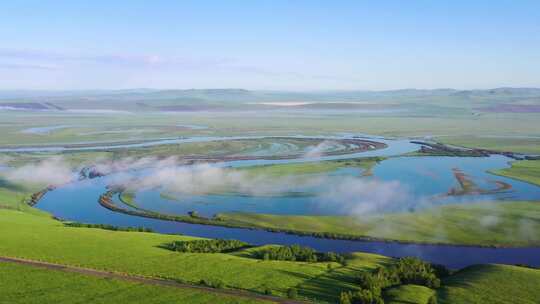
(143,99)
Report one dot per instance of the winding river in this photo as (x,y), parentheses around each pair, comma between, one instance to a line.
(424,176)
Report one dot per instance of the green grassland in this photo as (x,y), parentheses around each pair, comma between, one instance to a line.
(29,233)
(408,294)
(491,284)
(219,148)
(513,144)
(27,284)
(484,223)
(526,170)
(14,195)
(447,126)
(41,238)
(128,198)
(328,285)
(302,168)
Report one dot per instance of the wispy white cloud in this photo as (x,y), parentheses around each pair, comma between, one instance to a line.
(36,58)
(52,171)
(25,66)
(51,60)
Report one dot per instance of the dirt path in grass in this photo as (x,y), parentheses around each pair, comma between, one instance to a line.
(146,280)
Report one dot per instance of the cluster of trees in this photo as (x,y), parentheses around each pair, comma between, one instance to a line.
(108,227)
(297,253)
(405,271)
(207,246)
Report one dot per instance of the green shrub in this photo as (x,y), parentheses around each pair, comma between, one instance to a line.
(405,271)
(345,297)
(292,293)
(206,246)
(108,227)
(297,253)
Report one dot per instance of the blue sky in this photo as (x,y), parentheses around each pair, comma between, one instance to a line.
(289,45)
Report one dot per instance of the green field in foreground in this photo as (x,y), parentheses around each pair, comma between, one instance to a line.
(408,294)
(525,170)
(491,284)
(484,223)
(41,238)
(27,284)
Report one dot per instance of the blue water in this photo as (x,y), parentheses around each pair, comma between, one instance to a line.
(78,202)
(424,181)
(44,130)
(425,177)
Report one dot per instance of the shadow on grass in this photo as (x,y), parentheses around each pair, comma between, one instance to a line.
(10,186)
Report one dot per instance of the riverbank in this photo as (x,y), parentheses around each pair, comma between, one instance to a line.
(40,238)
(141,253)
(525,170)
(484,224)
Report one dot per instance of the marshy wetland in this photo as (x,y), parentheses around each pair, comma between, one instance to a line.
(365,187)
(268,190)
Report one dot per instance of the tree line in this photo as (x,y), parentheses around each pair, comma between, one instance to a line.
(298,253)
(207,246)
(108,227)
(407,270)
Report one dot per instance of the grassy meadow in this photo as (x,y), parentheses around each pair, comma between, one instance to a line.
(466,224)
(303,168)
(29,233)
(460,128)
(26,284)
(140,253)
(525,170)
(408,294)
(491,284)
(505,143)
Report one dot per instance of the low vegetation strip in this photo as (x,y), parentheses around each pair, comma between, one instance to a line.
(297,253)
(144,280)
(35,197)
(108,227)
(464,224)
(497,143)
(207,246)
(525,170)
(106,201)
(490,224)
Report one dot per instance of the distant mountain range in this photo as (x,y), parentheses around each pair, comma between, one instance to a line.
(142,99)
(227,94)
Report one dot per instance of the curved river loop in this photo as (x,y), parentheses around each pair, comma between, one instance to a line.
(78,201)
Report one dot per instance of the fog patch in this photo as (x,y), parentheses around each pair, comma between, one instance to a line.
(319,150)
(528,229)
(361,196)
(204,179)
(489,221)
(52,171)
